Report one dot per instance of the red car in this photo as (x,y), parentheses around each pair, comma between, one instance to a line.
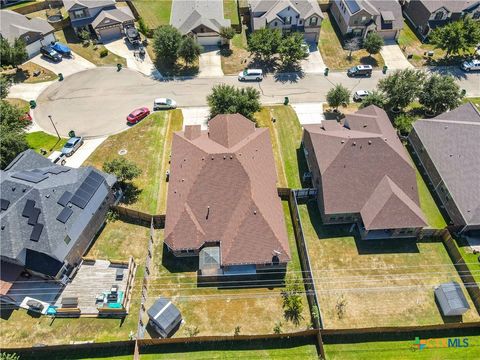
(137,115)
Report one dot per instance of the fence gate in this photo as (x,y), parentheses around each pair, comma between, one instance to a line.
(305,193)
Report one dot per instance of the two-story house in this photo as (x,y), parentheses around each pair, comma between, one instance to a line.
(287,15)
(99,17)
(360,17)
(425,15)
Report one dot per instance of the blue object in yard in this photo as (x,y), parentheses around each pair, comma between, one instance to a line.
(62,49)
(52,310)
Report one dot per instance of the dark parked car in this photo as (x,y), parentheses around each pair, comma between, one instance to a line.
(133,36)
(62,49)
(72,145)
(35,305)
(360,70)
(137,115)
(50,53)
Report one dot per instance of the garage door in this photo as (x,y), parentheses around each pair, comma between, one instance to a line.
(388,35)
(208,40)
(34,48)
(310,37)
(108,34)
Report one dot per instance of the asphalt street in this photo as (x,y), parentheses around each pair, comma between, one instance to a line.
(96,102)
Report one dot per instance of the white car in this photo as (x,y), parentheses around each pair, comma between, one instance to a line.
(164,104)
(471,65)
(251,74)
(360,95)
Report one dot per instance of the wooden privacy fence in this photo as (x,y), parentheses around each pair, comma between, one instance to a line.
(37,6)
(135,216)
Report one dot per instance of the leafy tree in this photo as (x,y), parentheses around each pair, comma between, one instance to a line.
(277,329)
(123,169)
(12,135)
(374,98)
(352,45)
(4,86)
(471,33)
(84,35)
(166,43)
(402,87)
(264,42)
(14,54)
(5,52)
(291,49)
(11,356)
(338,96)
(450,37)
(227,33)
(227,99)
(11,117)
(404,123)
(373,43)
(189,50)
(143,27)
(292,300)
(440,93)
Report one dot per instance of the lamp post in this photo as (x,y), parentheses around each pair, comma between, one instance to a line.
(58,135)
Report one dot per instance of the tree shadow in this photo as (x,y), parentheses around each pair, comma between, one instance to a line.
(268,66)
(178,264)
(388,246)
(368,60)
(302,168)
(130,193)
(289,73)
(176,69)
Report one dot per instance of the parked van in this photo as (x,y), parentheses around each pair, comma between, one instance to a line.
(251,74)
(164,104)
(360,70)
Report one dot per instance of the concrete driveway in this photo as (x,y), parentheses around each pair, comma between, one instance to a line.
(394,57)
(68,66)
(210,62)
(84,151)
(143,64)
(309,113)
(314,63)
(195,116)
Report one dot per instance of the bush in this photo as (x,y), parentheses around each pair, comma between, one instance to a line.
(103,53)
(404,123)
(338,96)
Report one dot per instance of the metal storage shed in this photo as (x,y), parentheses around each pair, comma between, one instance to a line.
(164,316)
(451,299)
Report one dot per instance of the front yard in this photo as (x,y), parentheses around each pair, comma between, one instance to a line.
(334,56)
(237,57)
(40,140)
(380,283)
(25,74)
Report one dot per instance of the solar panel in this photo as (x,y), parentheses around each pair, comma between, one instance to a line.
(96,176)
(36,232)
(56,170)
(65,198)
(32,220)
(88,188)
(28,209)
(4,204)
(30,176)
(78,201)
(352,6)
(64,215)
(92,182)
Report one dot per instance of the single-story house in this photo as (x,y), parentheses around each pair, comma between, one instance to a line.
(360,17)
(201,19)
(101,17)
(164,317)
(451,299)
(50,213)
(448,150)
(35,32)
(222,194)
(364,175)
(287,15)
(425,15)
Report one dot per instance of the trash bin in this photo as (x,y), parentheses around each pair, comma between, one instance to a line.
(326,71)
(71,133)
(464,92)
(60,77)
(119,67)
(286,101)
(385,68)
(33,104)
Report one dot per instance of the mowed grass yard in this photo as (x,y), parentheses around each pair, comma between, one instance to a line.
(219,311)
(384,283)
(40,140)
(334,56)
(154,12)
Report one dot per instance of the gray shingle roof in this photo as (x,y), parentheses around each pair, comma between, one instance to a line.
(164,314)
(114,15)
(452,143)
(451,299)
(13,25)
(89,4)
(271,8)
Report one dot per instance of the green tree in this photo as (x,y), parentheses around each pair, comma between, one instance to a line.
(277,329)
(227,99)
(12,133)
(264,43)
(166,43)
(189,49)
(450,38)
(5,84)
(143,27)
(374,98)
(338,96)
(291,49)
(292,300)
(471,33)
(11,356)
(11,117)
(19,53)
(123,169)
(5,52)
(373,43)
(439,94)
(227,33)
(404,123)
(402,87)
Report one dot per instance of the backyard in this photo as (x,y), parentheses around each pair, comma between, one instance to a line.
(359,283)
(154,13)
(335,57)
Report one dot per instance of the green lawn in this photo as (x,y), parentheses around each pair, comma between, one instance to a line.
(396,350)
(230,10)
(474,100)
(154,12)
(40,140)
(469,257)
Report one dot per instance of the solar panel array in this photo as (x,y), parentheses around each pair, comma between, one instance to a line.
(352,6)
(32,213)
(30,176)
(36,232)
(65,198)
(85,192)
(33,218)
(4,204)
(64,215)
(56,170)
(28,208)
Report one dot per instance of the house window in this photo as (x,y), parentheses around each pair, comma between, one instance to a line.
(313,21)
(299,22)
(79,14)
(67,240)
(275,23)
(439,15)
(287,20)
(476,15)
(355,22)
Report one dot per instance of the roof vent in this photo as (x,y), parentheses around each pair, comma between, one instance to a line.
(446,126)
(385,139)
(203,158)
(364,125)
(47,196)
(343,141)
(354,143)
(254,212)
(3,227)
(24,189)
(13,188)
(369,142)
(224,157)
(231,157)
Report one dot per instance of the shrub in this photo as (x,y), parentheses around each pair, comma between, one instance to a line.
(103,53)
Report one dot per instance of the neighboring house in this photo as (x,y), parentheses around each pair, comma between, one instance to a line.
(449,151)
(287,15)
(199,18)
(223,204)
(35,32)
(451,299)
(50,213)
(426,15)
(164,317)
(364,175)
(101,17)
(360,17)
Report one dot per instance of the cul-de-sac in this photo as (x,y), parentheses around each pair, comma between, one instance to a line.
(239,179)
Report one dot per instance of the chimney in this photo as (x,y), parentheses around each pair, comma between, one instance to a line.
(192,131)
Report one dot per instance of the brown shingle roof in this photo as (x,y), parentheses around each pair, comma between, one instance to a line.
(355,158)
(223,189)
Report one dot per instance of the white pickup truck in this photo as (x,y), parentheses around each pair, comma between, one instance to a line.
(57,157)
